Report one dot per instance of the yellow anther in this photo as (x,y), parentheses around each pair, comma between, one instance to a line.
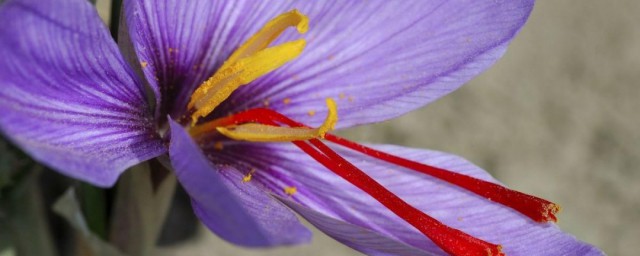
(218,88)
(331,120)
(268,133)
(249,62)
(270,32)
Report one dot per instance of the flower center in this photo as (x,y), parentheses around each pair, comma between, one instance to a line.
(250,61)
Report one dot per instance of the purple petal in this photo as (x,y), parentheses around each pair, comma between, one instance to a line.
(179,44)
(237,211)
(367,54)
(381,59)
(66,94)
(359,238)
(320,192)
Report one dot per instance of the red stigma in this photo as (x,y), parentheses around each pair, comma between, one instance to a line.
(450,240)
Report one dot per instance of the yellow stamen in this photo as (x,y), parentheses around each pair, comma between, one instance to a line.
(207,127)
(249,62)
(267,34)
(268,133)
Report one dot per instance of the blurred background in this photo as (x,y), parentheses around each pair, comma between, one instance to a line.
(554,118)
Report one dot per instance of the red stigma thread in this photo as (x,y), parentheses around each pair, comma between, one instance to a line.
(537,209)
(451,240)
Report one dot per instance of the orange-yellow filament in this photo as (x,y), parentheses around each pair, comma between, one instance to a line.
(249,62)
(268,133)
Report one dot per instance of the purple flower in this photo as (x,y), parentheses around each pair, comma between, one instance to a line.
(71,100)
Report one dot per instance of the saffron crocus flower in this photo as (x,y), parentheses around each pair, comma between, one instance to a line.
(242,107)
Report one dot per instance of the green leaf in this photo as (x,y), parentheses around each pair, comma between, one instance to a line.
(7,251)
(94,207)
(116,11)
(143,198)
(68,207)
(13,164)
(23,221)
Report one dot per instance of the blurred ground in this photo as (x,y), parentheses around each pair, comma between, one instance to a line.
(555,118)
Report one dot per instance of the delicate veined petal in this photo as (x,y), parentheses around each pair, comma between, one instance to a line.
(384,58)
(67,96)
(182,43)
(535,208)
(366,54)
(231,206)
(279,166)
(367,241)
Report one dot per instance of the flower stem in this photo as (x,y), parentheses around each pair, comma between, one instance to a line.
(23,218)
(94,207)
(142,201)
(116,6)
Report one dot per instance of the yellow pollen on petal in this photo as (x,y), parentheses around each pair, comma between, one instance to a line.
(218,146)
(247,177)
(250,61)
(290,190)
(286,101)
(311,113)
(269,133)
